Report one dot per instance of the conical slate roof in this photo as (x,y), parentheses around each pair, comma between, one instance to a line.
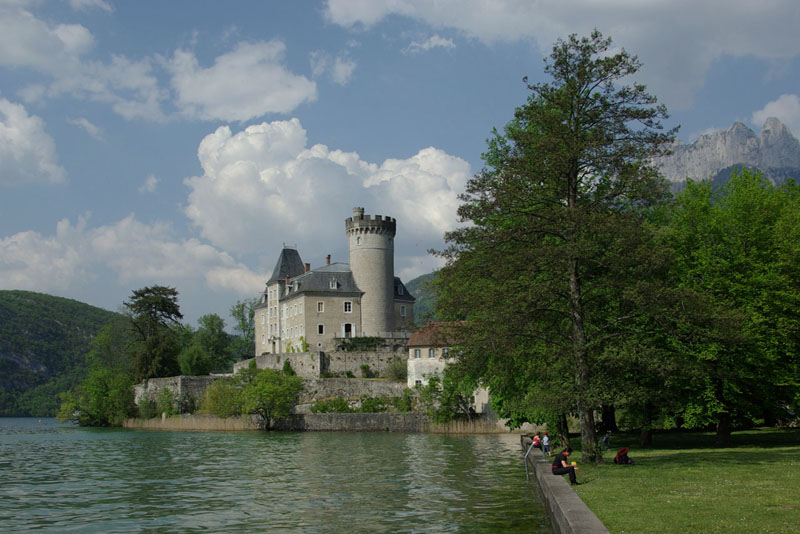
(289,264)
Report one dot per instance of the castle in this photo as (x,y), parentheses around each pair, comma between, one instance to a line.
(304,310)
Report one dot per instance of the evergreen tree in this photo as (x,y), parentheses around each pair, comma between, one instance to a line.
(556,260)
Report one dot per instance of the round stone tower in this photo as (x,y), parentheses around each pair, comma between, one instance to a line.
(371,241)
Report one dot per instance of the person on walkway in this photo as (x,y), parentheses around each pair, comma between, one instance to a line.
(546,444)
(562,467)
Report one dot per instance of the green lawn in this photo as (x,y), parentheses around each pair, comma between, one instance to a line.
(684,484)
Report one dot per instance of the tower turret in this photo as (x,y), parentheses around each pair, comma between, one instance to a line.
(371,243)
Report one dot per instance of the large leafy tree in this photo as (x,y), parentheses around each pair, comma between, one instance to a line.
(271,395)
(243,344)
(214,340)
(737,249)
(556,262)
(155,316)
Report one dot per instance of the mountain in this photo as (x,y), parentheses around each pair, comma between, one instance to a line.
(775,152)
(426,302)
(43,344)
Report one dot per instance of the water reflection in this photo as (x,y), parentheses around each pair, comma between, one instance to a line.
(58,477)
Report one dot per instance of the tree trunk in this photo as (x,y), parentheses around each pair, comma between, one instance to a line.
(724,430)
(590,450)
(562,430)
(646,437)
(609,419)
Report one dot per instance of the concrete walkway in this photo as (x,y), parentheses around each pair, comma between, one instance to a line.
(568,513)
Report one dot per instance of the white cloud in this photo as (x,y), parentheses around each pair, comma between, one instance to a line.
(435,41)
(86,125)
(27,152)
(135,252)
(86,5)
(339,68)
(264,186)
(26,41)
(677,41)
(786,109)
(248,82)
(149,185)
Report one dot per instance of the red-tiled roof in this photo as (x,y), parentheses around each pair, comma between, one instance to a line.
(435,334)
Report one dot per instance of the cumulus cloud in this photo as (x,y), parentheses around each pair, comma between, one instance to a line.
(136,252)
(677,41)
(27,152)
(264,185)
(435,41)
(786,109)
(248,82)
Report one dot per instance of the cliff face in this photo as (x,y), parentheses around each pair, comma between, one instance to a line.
(776,152)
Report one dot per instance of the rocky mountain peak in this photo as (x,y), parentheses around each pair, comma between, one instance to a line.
(775,148)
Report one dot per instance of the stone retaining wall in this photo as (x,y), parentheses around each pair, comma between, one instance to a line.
(568,513)
(323,422)
(315,364)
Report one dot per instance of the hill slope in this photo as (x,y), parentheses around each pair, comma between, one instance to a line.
(43,343)
(425,305)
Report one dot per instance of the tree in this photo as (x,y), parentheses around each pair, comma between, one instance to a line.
(194,361)
(737,249)
(244,344)
(271,396)
(154,312)
(556,261)
(105,398)
(211,336)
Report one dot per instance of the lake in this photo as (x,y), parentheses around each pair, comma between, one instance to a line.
(58,477)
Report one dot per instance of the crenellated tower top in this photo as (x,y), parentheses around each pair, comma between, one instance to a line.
(373,224)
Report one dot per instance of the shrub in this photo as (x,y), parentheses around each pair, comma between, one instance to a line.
(397,369)
(335,405)
(165,402)
(287,368)
(223,399)
(147,408)
(366,372)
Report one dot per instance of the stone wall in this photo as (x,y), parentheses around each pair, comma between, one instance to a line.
(322,422)
(188,390)
(568,513)
(338,363)
(348,388)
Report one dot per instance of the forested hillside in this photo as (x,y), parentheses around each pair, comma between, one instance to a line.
(43,344)
(425,305)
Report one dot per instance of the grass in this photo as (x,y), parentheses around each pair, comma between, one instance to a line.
(684,484)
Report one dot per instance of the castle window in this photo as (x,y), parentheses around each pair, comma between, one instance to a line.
(320,329)
(445,351)
(300,309)
(417,353)
(348,306)
(400,289)
(320,306)
(417,382)
(333,284)
(402,311)
(431,353)
(358,240)
(263,339)
(301,330)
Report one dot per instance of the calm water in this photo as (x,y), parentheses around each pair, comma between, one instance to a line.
(61,478)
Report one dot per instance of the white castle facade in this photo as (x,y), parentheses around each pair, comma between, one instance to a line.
(310,310)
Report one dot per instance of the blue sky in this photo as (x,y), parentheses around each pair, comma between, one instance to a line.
(184,142)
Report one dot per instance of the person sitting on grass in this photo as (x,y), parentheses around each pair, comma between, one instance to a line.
(561,467)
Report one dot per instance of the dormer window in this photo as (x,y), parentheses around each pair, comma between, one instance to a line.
(333,284)
(400,290)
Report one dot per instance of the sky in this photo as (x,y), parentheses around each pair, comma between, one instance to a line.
(184,143)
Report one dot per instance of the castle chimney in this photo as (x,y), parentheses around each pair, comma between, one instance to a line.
(328,260)
(358,213)
(308,267)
